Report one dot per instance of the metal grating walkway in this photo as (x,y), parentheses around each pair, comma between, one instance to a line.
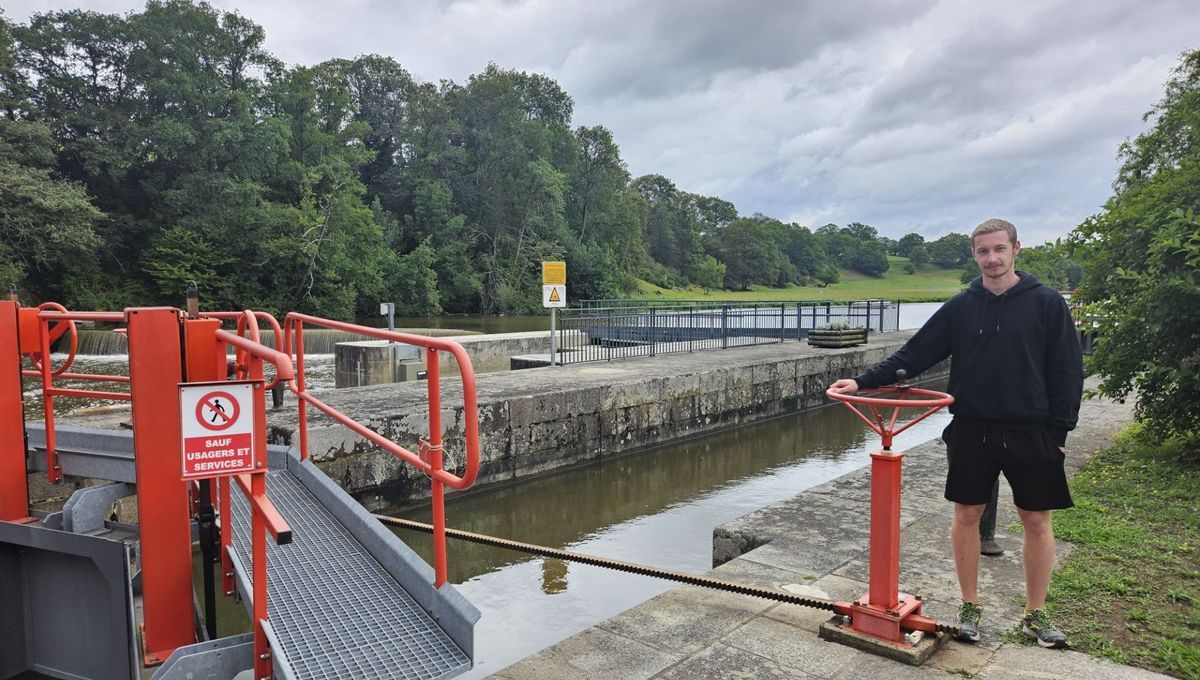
(336,611)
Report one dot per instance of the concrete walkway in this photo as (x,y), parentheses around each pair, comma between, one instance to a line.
(816,543)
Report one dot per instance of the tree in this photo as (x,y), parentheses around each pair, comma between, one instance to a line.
(918,256)
(49,224)
(710,273)
(412,283)
(854,246)
(869,258)
(907,242)
(1141,261)
(860,231)
(1052,265)
(951,250)
(597,177)
(804,251)
(750,254)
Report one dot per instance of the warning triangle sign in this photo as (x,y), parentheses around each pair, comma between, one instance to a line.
(554,295)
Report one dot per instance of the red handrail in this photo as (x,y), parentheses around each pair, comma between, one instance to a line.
(282,362)
(294,323)
(244,319)
(49,392)
(264,516)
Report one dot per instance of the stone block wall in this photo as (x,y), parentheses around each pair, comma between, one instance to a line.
(539,420)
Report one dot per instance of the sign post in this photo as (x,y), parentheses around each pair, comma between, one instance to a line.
(218,428)
(554,295)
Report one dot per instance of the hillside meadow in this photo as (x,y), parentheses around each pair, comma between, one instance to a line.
(928,284)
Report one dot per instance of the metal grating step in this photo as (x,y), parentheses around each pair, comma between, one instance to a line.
(336,611)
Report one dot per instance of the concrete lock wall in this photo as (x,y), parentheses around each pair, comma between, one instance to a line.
(375,362)
(358,364)
(539,420)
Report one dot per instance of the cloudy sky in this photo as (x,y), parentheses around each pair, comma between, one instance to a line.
(909,115)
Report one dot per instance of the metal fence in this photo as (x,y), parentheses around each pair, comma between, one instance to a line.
(596,332)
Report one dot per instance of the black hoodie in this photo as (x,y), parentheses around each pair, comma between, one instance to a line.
(1016,359)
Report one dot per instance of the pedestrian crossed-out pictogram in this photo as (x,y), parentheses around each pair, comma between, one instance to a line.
(218,411)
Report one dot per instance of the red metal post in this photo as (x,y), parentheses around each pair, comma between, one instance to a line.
(303,417)
(438,490)
(201,347)
(885,529)
(155,370)
(258,527)
(14,489)
(53,469)
(258,501)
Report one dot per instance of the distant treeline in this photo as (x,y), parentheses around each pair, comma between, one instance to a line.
(142,152)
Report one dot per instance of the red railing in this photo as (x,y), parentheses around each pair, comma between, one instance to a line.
(264,516)
(46,314)
(247,320)
(250,356)
(428,459)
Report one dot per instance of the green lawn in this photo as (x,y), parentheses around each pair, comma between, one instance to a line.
(928,284)
(1130,589)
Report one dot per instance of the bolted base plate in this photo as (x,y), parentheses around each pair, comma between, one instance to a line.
(915,655)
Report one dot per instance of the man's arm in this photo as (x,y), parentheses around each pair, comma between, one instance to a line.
(930,345)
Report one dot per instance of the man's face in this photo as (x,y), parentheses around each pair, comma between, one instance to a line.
(994,254)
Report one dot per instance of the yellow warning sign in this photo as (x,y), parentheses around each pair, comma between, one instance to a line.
(554,273)
(554,296)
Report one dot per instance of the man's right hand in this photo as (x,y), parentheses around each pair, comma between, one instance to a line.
(844,386)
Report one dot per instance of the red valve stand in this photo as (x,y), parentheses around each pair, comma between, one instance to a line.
(884,612)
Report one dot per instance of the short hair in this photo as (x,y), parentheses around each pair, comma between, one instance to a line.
(994,224)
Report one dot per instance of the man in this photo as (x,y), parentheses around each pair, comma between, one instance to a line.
(1017,379)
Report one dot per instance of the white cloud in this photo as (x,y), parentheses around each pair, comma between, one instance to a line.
(911,116)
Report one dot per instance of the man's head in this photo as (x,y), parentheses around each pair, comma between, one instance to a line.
(995,246)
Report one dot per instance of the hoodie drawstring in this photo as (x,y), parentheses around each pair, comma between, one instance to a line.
(1003,438)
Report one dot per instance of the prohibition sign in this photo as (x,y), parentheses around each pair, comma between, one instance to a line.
(213,414)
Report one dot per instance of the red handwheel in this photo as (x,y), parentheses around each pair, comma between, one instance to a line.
(885,612)
(898,396)
(55,330)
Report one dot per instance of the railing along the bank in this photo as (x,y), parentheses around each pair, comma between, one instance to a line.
(598,331)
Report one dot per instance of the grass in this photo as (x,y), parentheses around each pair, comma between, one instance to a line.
(1130,589)
(928,284)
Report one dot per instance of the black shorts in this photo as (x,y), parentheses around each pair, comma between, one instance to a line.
(1033,465)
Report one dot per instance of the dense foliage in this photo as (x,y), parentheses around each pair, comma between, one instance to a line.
(144,151)
(1141,259)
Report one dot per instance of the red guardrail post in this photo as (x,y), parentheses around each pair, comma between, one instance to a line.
(14,491)
(258,529)
(53,469)
(438,491)
(155,369)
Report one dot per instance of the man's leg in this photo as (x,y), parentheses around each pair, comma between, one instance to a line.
(964,539)
(1038,555)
